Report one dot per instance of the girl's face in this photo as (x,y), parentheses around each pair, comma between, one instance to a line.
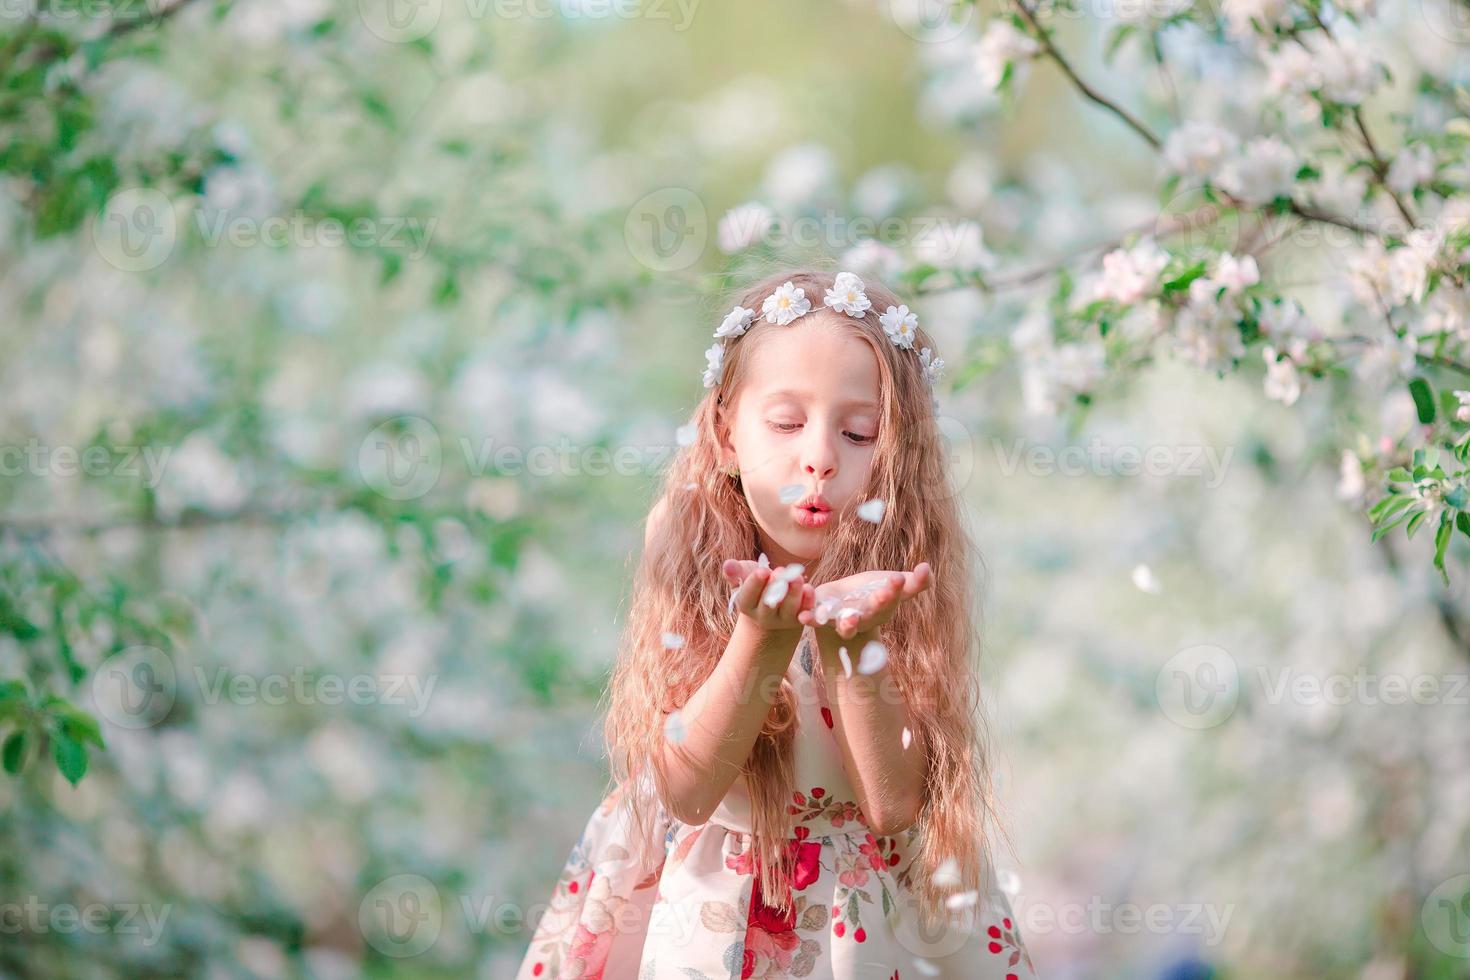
(807,415)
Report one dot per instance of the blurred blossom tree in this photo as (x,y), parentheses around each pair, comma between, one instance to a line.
(1258,116)
(202,195)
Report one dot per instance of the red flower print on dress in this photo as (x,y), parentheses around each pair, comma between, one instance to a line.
(808,807)
(806,855)
(770,939)
(1003,941)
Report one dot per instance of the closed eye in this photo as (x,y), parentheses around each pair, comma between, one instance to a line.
(858,438)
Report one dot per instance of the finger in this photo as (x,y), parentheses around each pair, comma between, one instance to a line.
(752,587)
(732,572)
(792,603)
(920,579)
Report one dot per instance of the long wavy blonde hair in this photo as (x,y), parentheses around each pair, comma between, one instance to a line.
(933,640)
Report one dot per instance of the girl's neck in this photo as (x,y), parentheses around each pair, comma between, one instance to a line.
(778,555)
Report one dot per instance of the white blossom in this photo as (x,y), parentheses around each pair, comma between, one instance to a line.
(1414,165)
(1262,171)
(743,226)
(785,304)
(899,324)
(933,366)
(1350,483)
(1244,17)
(1282,383)
(847,296)
(959,246)
(736,322)
(1197,149)
(873,258)
(1207,340)
(1002,43)
(1462,411)
(798,175)
(1349,73)
(1130,274)
(715,361)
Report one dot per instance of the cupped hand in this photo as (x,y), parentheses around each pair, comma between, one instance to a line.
(863,602)
(772,598)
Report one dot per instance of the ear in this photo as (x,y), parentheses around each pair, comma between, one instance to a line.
(728,457)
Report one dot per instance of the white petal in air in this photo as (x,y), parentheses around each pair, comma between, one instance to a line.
(1008,880)
(874,656)
(963,900)
(788,572)
(792,492)
(673,641)
(947,875)
(871,511)
(846,661)
(908,737)
(685,434)
(674,729)
(776,590)
(825,610)
(1145,580)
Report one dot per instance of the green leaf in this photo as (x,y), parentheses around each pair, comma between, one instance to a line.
(1119,35)
(1415,521)
(14,752)
(1181,282)
(1442,542)
(1423,399)
(1462,521)
(12,622)
(78,725)
(70,756)
(12,691)
(1449,404)
(1400,475)
(1383,529)
(1389,506)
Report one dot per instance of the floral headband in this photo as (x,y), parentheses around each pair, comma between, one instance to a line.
(789,301)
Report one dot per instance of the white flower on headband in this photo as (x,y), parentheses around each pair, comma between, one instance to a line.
(900,325)
(737,321)
(847,296)
(933,366)
(715,357)
(785,304)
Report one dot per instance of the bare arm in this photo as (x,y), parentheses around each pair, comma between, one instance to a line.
(723,718)
(868,719)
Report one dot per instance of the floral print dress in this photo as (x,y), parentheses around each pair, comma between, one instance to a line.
(692,909)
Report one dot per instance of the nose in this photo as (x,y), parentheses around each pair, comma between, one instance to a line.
(819,457)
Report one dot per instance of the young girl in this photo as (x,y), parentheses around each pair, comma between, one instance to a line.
(799,785)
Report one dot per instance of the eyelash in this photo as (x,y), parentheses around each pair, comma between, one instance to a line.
(860,440)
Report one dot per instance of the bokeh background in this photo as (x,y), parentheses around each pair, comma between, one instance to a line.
(332,536)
